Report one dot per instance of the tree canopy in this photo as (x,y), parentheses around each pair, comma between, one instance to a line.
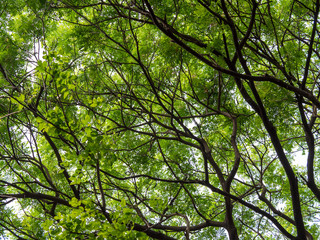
(148,119)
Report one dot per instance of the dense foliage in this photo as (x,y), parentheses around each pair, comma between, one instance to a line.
(148,119)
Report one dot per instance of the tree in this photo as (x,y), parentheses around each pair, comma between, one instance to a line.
(159,119)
